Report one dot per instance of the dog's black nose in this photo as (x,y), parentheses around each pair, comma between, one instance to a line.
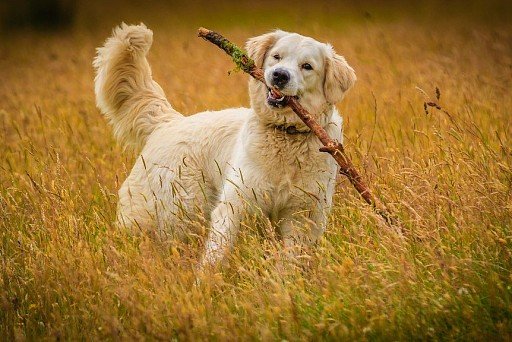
(280,77)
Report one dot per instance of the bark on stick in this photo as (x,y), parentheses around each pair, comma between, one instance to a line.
(334,148)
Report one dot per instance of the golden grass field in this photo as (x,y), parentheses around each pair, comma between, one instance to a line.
(68,273)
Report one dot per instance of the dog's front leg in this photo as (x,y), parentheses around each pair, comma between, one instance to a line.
(224,228)
(299,232)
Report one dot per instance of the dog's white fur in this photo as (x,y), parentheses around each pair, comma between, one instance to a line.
(217,165)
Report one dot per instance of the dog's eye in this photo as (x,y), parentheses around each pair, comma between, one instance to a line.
(307,66)
(277,57)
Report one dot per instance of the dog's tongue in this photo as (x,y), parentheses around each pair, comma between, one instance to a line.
(275,95)
(275,100)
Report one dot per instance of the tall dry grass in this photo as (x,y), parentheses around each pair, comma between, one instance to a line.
(66,272)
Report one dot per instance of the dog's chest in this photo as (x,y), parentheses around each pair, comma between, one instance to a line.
(290,162)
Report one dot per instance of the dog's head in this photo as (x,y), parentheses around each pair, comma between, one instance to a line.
(301,67)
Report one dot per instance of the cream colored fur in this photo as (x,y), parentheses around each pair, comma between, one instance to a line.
(214,167)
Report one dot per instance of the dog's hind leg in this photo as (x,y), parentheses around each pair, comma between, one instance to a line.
(136,206)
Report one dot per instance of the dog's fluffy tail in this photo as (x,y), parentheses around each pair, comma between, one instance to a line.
(125,91)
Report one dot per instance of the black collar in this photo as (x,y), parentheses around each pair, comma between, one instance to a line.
(291,129)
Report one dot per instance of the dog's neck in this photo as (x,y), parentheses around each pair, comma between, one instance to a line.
(294,129)
(291,129)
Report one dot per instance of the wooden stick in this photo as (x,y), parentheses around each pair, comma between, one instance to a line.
(334,148)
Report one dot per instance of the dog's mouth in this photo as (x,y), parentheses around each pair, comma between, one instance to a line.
(275,101)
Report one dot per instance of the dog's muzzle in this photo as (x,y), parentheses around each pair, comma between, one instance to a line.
(280,79)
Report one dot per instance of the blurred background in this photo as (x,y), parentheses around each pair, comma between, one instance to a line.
(62,33)
(73,14)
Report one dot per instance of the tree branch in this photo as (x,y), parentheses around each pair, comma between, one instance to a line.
(334,148)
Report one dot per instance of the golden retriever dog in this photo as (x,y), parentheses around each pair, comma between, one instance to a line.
(215,167)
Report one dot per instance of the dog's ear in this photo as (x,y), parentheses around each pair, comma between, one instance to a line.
(257,47)
(339,76)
